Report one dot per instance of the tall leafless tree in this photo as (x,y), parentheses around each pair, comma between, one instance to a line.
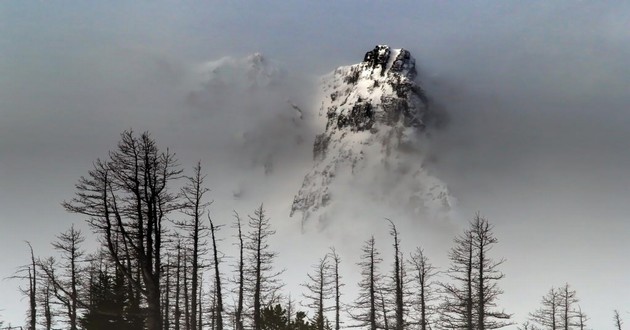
(217,277)
(581,318)
(470,298)
(195,207)
(488,275)
(66,285)
(547,315)
(456,311)
(398,279)
(29,272)
(336,261)
(568,301)
(364,310)
(318,289)
(240,277)
(617,320)
(128,195)
(424,273)
(263,280)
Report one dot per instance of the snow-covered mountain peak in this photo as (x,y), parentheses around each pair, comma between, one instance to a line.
(391,61)
(370,150)
(254,71)
(381,89)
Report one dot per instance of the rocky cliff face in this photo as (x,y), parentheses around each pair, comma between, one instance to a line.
(375,114)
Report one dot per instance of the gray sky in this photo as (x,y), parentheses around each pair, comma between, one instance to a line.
(537,92)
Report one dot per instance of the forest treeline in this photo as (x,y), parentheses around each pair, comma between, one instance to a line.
(160,266)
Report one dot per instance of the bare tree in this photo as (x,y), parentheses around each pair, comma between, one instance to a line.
(318,290)
(366,303)
(547,315)
(66,285)
(217,277)
(46,300)
(262,278)
(240,280)
(32,290)
(336,260)
(424,272)
(617,320)
(128,195)
(398,279)
(470,301)
(195,207)
(568,300)
(581,318)
(178,276)
(488,275)
(458,305)
(29,272)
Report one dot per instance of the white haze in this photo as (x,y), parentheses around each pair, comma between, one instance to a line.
(537,139)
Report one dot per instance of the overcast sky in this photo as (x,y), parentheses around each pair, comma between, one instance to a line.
(538,95)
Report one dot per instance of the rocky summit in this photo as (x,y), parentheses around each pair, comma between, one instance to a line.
(375,112)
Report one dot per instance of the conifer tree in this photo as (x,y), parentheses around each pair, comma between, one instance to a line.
(263,280)
(364,311)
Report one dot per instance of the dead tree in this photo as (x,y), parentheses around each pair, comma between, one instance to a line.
(263,280)
(217,277)
(581,318)
(456,311)
(488,275)
(32,290)
(471,296)
(617,320)
(46,301)
(364,309)
(66,285)
(195,207)
(240,277)
(128,195)
(178,275)
(29,272)
(568,300)
(547,315)
(424,272)
(336,261)
(318,290)
(398,279)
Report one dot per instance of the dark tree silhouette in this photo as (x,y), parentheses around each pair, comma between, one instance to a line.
(336,261)
(423,274)
(29,272)
(458,305)
(488,275)
(617,320)
(128,195)
(217,278)
(262,278)
(66,285)
(568,300)
(398,280)
(470,300)
(195,207)
(547,315)
(240,277)
(318,290)
(369,287)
